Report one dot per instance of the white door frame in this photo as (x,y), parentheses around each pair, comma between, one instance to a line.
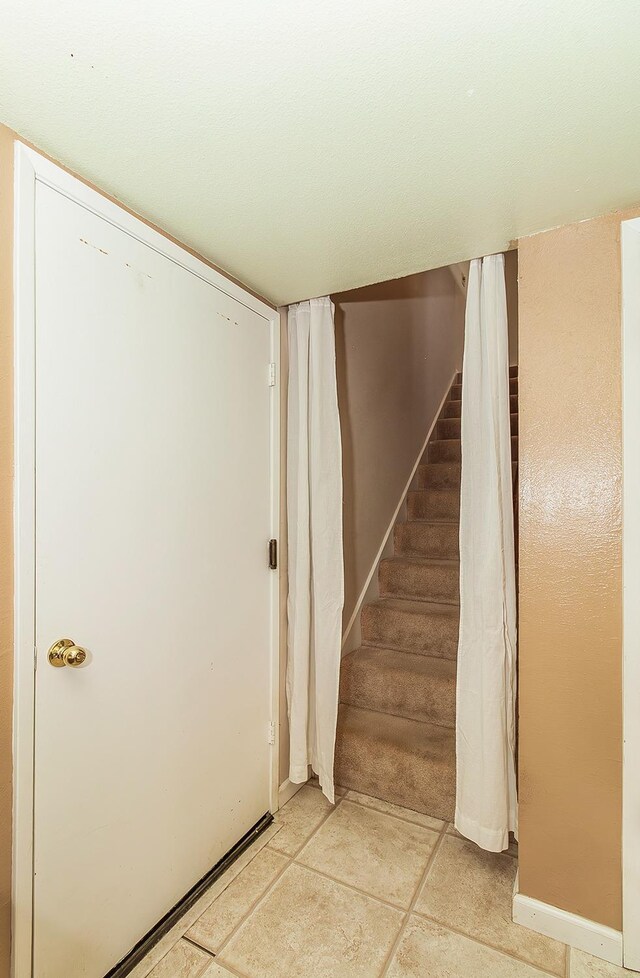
(31,168)
(630,242)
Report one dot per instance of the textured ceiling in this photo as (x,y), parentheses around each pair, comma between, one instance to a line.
(313,147)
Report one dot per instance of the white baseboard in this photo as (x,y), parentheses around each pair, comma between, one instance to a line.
(351,634)
(586,935)
(287,790)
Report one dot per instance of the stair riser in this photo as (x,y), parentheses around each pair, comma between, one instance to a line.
(417,539)
(431,699)
(433,505)
(443,475)
(450,450)
(456,390)
(404,579)
(363,765)
(452,409)
(403,629)
(450,427)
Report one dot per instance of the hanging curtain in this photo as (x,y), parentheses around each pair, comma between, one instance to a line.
(486,804)
(314,520)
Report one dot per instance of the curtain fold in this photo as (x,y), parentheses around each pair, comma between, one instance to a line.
(314,520)
(486,802)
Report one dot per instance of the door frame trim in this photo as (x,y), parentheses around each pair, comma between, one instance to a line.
(32,168)
(630,260)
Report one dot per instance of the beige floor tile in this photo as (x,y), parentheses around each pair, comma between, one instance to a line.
(339,791)
(513,845)
(386,806)
(298,819)
(428,950)
(585,966)
(226,912)
(217,971)
(375,852)
(310,927)
(183,961)
(184,923)
(472,890)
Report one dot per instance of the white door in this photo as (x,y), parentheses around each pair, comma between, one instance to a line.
(153,509)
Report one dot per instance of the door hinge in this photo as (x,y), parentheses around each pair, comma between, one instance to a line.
(272,732)
(273,554)
(272,375)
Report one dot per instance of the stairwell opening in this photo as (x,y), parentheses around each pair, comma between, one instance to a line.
(398,358)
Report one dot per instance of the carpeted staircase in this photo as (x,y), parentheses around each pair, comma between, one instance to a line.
(396,724)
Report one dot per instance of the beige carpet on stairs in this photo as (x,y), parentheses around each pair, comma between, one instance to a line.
(396,723)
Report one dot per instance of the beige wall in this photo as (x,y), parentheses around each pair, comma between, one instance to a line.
(6,536)
(397,346)
(570,568)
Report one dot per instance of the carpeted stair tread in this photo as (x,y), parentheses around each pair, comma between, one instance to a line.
(421,627)
(420,538)
(406,762)
(427,579)
(442,475)
(450,427)
(418,687)
(452,409)
(434,504)
(439,475)
(450,450)
(456,390)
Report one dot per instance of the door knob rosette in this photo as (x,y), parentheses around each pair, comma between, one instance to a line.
(66,653)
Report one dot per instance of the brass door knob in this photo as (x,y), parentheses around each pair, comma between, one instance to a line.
(66,653)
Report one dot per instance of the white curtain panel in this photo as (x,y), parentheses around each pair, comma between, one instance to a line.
(486,803)
(314,520)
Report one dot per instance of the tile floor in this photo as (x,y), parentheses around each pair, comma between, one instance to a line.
(362,889)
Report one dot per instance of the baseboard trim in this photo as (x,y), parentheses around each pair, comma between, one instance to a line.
(586,935)
(365,594)
(287,790)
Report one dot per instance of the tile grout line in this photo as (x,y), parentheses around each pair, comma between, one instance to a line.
(418,890)
(181,935)
(401,818)
(200,971)
(462,838)
(493,947)
(294,859)
(248,913)
(196,945)
(352,887)
(421,886)
(290,860)
(376,811)
(310,837)
(227,968)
